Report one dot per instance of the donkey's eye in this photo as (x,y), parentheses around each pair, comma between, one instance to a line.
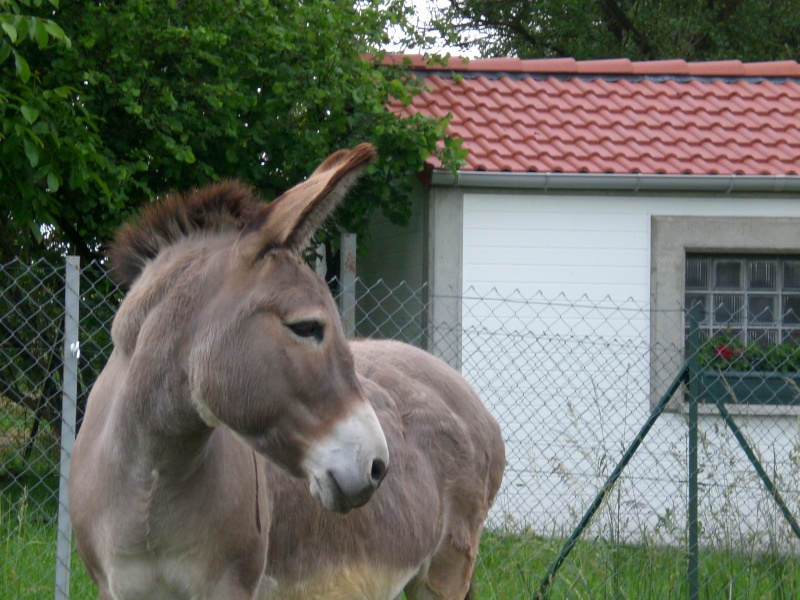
(308,329)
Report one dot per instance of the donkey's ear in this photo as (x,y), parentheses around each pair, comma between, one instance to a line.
(291,220)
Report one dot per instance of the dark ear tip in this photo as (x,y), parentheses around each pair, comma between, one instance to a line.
(291,219)
(359,157)
(366,152)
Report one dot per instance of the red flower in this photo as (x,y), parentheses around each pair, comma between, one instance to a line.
(725,353)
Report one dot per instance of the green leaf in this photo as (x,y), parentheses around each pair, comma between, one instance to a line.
(42,36)
(41,128)
(56,32)
(36,231)
(30,113)
(32,152)
(33,25)
(241,89)
(22,24)
(23,70)
(11,32)
(52,182)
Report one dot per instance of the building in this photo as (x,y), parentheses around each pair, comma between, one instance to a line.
(658,184)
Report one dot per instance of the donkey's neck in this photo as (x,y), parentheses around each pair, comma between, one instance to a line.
(156,425)
(151,334)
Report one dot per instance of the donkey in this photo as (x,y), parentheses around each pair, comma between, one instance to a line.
(227,350)
(232,392)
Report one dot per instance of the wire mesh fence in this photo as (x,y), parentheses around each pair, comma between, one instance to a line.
(572,381)
(31,356)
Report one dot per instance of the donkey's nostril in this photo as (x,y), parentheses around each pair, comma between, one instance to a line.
(378,470)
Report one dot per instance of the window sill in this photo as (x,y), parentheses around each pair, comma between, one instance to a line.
(752,392)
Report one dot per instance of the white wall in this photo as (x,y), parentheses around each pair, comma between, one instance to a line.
(580,244)
(562,358)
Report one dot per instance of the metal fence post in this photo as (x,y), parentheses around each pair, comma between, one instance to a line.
(693,571)
(347,284)
(68,419)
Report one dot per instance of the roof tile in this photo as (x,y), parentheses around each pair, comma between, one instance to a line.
(618,116)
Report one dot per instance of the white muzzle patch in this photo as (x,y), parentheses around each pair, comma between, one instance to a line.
(347,465)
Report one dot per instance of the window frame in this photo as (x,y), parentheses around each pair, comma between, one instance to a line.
(749,328)
(672,238)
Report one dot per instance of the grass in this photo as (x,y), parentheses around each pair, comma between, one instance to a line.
(28,547)
(28,509)
(511,566)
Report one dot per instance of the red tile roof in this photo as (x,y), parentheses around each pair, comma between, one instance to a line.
(618,116)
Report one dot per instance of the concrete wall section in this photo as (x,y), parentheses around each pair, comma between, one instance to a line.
(444,269)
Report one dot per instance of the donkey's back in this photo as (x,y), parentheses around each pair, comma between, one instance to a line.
(420,534)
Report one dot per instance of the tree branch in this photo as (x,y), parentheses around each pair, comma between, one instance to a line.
(79,246)
(619,23)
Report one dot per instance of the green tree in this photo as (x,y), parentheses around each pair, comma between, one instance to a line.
(108,104)
(47,137)
(695,30)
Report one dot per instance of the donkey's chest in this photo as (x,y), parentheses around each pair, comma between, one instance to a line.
(172,554)
(364,582)
(135,568)
(165,578)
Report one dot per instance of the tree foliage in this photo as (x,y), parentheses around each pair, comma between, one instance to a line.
(104,105)
(755,30)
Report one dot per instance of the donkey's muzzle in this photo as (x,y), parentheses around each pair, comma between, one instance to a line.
(348,464)
(348,497)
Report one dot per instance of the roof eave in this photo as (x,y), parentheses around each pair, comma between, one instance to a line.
(632,182)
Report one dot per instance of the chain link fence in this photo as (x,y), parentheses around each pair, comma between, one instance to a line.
(576,384)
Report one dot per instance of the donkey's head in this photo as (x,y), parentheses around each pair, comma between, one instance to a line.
(265,355)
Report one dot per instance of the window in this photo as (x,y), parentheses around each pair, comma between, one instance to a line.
(755,299)
(773,246)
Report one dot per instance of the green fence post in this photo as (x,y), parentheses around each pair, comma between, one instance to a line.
(347,284)
(768,483)
(544,586)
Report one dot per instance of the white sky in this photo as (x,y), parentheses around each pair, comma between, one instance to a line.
(423,9)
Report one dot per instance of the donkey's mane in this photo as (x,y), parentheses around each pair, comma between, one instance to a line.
(222,207)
